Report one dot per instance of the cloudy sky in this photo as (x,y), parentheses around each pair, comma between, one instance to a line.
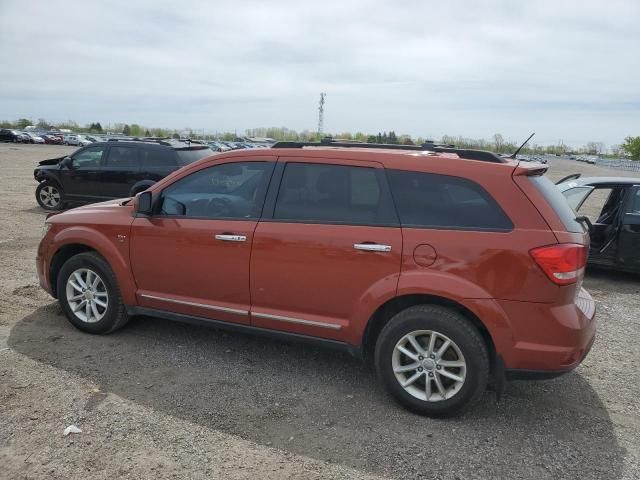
(569,70)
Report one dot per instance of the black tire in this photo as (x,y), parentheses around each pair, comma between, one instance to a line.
(48,187)
(461,332)
(115,315)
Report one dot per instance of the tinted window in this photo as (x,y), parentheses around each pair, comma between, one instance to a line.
(635,205)
(558,202)
(88,158)
(122,157)
(157,157)
(232,190)
(191,155)
(443,201)
(332,194)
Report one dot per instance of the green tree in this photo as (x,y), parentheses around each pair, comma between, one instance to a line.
(136,130)
(147,133)
(126,129)
(631,145)
(23,123)
(392,138)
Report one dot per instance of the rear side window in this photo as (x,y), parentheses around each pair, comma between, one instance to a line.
(191,155)
(441,201)
(558,202)
(157,157)
(336,194)
(122,157)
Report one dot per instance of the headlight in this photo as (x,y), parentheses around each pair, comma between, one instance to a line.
(45,228)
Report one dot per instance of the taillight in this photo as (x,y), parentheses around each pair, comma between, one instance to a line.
(563,263)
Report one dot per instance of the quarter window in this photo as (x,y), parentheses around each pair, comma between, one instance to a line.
(230,191)
(88,158)
(318,193)
(443,201)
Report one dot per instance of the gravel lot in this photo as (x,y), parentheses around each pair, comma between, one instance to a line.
(166,400)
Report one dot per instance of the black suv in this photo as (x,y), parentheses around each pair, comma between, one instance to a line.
(114,169)
(8,135)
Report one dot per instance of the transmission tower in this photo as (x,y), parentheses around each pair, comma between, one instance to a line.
(321,114)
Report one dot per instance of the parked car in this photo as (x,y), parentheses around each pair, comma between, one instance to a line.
(442,269)
(51,139)
(7,135)
(106,170)
(33,138)
(72,139)
(58,135)
(615,218)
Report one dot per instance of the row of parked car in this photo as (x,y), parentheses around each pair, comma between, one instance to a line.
(53,138)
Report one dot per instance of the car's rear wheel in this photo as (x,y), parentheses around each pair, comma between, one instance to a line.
(50,196)
(432,360)
(89,295)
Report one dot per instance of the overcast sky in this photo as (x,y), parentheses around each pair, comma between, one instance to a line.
(568,70)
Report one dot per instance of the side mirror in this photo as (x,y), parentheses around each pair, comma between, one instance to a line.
(145,204)
(66,162)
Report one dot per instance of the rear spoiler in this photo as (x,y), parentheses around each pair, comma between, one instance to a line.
(528,169)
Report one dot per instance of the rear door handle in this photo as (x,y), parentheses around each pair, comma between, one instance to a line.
(372,247)
(231,238)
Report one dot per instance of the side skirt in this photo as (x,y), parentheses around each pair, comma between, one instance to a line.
(265,332)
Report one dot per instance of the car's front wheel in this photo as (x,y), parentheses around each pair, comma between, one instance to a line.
(89,295)
(432,360)
(50,196)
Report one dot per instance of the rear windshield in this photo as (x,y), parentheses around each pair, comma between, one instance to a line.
(558,202)
(191,155)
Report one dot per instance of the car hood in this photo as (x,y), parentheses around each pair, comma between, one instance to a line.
(51,161)
(91,213)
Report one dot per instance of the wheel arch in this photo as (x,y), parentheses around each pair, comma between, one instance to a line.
(391,307)
(82,239)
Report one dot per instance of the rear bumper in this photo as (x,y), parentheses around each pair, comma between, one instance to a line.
(548,340)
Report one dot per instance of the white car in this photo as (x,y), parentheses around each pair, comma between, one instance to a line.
(71,140)
(83,140)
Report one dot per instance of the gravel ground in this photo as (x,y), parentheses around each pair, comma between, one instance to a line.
(166,400)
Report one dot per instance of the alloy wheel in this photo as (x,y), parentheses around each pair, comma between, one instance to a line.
(50,196)
(87,295)
(429,365)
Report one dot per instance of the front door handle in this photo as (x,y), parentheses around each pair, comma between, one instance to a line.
(231,238)
(372,247)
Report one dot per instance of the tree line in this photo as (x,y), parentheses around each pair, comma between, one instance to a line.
(630,146)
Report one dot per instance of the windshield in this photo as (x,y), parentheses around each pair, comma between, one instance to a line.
(191,155)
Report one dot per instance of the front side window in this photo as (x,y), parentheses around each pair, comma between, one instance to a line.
(340,194)
(122,157)
(229,191)
(88,158)
(443,201)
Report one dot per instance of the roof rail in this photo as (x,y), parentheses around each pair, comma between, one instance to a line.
(428,146)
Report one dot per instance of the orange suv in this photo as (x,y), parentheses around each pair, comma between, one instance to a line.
(443,267)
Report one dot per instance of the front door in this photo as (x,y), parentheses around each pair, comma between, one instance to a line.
(81,179)
(329,245)
(629,240)
(192,255)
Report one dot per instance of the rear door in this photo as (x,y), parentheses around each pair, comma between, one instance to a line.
(120,171)
(629,239)
(328,243)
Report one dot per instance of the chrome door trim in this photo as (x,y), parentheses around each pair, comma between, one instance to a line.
(232,238)
(372,247)
(280,318)
(199,305)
